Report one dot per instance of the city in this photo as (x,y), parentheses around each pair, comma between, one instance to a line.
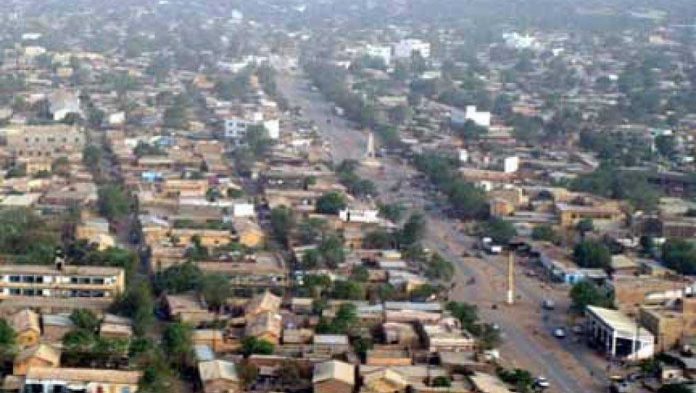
(379,196)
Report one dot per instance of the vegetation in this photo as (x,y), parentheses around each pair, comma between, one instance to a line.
(546,233)
(114,202)
(331,203)
(345,320)
(592,254)
(282,222)
(585,294)
(252,345)
(499,230)
(680,255)
(609,182)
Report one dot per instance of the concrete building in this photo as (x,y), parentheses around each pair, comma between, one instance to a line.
(404,49)
(50,380)
(236,127)
(333,377)
(45,141)
(618,335)
(40,281)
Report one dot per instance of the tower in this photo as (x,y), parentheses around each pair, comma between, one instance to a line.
(370,159)
(511,279)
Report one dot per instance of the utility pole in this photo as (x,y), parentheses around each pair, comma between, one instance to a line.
(511,278)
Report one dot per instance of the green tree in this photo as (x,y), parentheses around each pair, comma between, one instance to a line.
(348,290)
(113,202)
(499,230)
(592,254)
(8,341)
(378,240)
(442,381)
(253,345)
(414,229)
(282,222)
(585,294)
(360,274)
(91,156)
(438,268)
(583,226)
(346,319)
(331,203)
(545,233)
(258,141)
(137,303)
(680,255)
(179,278)
(392,211)
(331,251)
(216,289)
(177,343)
(311,229)
(85,319)
(466,313)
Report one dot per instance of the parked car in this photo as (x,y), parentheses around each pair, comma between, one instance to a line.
(542,383)
(559,332)
(548,304)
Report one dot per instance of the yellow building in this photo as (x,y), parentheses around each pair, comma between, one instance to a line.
(26,324)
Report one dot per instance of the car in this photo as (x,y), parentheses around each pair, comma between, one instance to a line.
(559,333)
(548,304)
(542,382)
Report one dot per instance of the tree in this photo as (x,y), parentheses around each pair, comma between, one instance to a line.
(289,373)
(585,294)
(137,303)
(348,290)
(392,211)
(467,314)
(91,155)
(27,236)
(346,319)
(179,278)
(378,240)
(85,319)
(438,268)
(545,233)
(413,230)
(666,145)
(113,202)
(360,274)
(257,139)
(216,289)
(282,222)
(331,203)
(8,341)
(331,251)
(311,229)
(499,230)
(680,255)
(177,342)
(674,388)
(252,345)
(583,226)
(442,381)
(592,254)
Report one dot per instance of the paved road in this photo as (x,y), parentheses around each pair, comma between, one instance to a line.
(528,342)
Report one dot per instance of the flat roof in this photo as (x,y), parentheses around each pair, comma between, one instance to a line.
(618,321)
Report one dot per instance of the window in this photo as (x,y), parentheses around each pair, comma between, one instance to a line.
(28,279)
(15,292)
(15,279)
(98,281)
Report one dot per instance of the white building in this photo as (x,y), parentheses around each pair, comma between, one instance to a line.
(380,51)
(359,215)
(618,335)
(518,41)
(243,210)
(511,164)
(406,48)
(482,119)
(236,127)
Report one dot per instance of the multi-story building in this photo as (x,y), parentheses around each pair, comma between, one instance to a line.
(406,48)
(67,282)
(45,141)
(236,127)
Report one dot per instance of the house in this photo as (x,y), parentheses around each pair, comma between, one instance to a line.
(26,324)
(618,335)
(50,380)
(219,376)
(113,326)
(387,356)
(265,302)
(41,355)
(249,233)
(55,326)
(447,335)
(266,326)
(601,214)
(560,267)
(187,308)
(487,383)
(330,344)
(333,376)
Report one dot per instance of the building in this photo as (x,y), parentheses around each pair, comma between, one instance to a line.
(330,344)
(40,281)
(569,215)
(41,355)
(617,335)
(560,267)
(50,380)
(236,127)
(379,51)
(218,376)
(470,113)
(406,48)
(333,377)
(45,141)
(26,325)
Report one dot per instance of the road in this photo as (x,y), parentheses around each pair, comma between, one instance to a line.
(528,342)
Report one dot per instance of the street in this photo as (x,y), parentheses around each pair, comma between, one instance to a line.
(528,343)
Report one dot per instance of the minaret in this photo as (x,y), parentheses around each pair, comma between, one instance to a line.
(370,155)
(511,279)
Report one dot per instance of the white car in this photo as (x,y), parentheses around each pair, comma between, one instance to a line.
(542,382)
(559,333)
